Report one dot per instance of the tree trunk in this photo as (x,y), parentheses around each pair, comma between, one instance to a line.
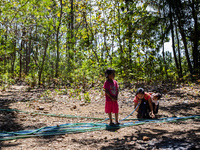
(186,49)
(5,58)
(13,58)
(57,41)
(129,40)
(120,41)
(20,59)
(196,38)
(70,40)
(180,24)
(179,54)
(43,60)
(173,45)
(72,24)
(28,50)
(163,54)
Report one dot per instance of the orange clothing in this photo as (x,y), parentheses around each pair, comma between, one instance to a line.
(146,97)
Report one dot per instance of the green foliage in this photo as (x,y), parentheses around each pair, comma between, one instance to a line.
(31,79)
(6,80)
(46,94)
(61,92)
(47,42)
(87,97)
(79,97)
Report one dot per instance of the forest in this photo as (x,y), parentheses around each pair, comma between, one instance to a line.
(71,43)
(53,58)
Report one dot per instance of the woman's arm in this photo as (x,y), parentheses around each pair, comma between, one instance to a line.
(136,103)
(151,107)
(155,108)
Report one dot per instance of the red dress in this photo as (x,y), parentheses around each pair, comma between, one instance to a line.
(111,106)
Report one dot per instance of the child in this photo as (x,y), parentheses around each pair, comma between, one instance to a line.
(144,100)
(155,101)
(111,93)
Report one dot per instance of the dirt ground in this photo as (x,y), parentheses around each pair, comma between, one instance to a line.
(176,101)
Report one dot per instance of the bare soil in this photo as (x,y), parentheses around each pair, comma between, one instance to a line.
(177,101)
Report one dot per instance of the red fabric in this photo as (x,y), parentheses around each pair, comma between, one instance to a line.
(111,107)
(112,87)
(146,97)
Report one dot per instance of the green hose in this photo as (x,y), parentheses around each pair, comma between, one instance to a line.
(82,127)
(79,127)
(54,115)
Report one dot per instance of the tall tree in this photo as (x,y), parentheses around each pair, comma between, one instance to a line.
(57,37)
(180,15)
(173,37)
(195,5)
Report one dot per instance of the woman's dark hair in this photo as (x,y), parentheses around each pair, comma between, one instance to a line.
(158,95)
(139,91)
(109,71)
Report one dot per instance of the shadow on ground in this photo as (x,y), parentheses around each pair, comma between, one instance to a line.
(189,140)
(8,119)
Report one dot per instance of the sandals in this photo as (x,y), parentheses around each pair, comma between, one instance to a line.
(116,124)
(111,124)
